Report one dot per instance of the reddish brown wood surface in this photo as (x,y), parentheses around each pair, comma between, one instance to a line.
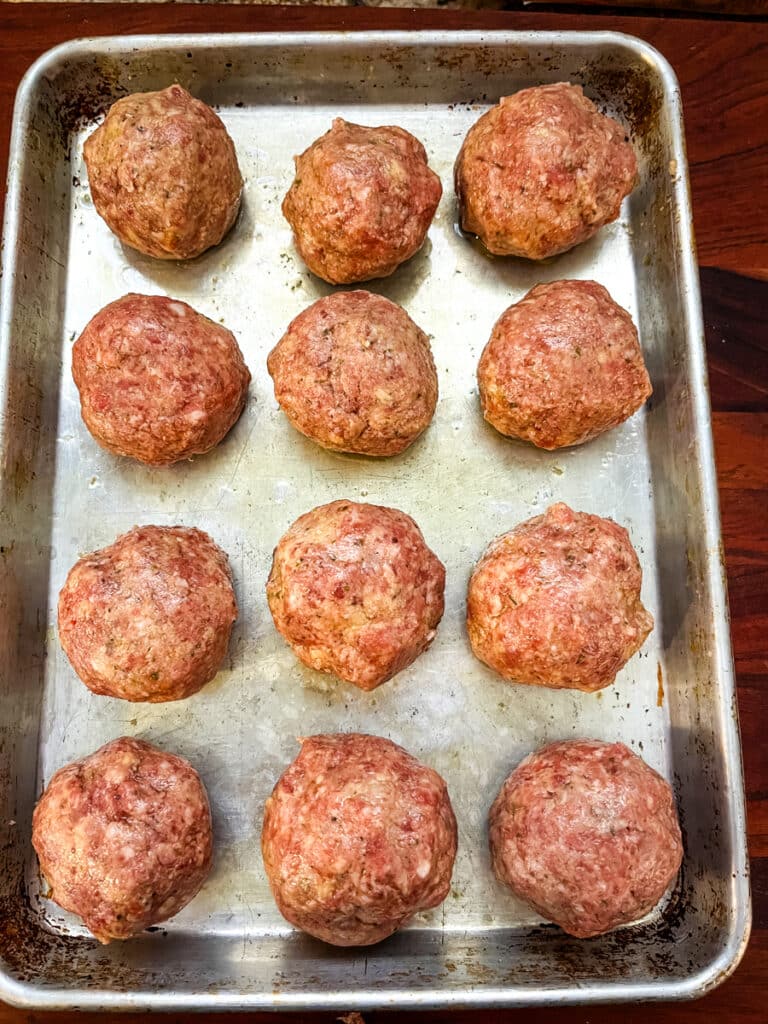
(722,70)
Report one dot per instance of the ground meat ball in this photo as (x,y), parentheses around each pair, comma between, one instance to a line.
(158,381)
(556,602)
(354,373)
(587,834)
(361,202)
(149,617)
(356,591)
(542,171)
(358,837)
(163,174)
(562,365)
(124,837)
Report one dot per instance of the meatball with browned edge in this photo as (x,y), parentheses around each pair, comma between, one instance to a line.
(158,381)
(163,174)
(562,365)
(358,836)
(149,617)
(542,171)
(361,201)
(354,373)
(355,591)
(587,834)
(556,602)
(124,837)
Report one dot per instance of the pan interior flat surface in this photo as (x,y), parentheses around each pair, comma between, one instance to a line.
(462,482)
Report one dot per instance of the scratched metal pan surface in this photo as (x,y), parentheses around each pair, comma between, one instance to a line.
(62,496)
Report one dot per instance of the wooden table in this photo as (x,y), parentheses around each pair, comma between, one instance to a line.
(723,70)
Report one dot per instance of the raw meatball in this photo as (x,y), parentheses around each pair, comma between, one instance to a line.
(358,837)
(361,202)
(356,374)
(149,617)
(542,171)
(562,365)
(556,602)
(158,381)
(587,834)
(124,837)
(163,174)
(356,591)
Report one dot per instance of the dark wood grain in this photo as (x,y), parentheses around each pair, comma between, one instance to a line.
(719,8)
(722,70)
(737,341)
(737,349)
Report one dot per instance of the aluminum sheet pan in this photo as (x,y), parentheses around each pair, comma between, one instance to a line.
(63,496)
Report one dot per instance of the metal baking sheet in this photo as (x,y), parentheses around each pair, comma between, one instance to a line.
(63,496)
